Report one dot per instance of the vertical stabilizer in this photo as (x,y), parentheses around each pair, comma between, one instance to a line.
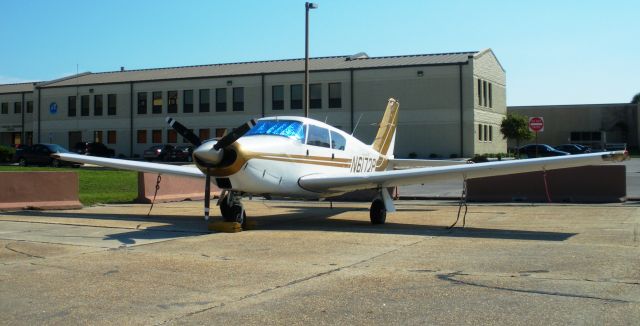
(385,137)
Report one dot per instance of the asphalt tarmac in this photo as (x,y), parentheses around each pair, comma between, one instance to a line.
(306,263)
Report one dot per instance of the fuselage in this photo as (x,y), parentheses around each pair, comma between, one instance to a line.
(278,151)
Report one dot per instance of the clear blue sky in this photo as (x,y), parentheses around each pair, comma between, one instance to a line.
(555,52)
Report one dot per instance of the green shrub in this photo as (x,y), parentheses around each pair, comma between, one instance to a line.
(6,153)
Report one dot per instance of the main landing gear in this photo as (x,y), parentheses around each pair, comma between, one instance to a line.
(231,208)
(382,204)
(377,212)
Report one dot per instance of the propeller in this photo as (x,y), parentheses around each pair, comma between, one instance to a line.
(184,132)
(236,133)
(210,152)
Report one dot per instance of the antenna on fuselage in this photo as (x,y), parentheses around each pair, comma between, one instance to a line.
(326,117)
(357,123)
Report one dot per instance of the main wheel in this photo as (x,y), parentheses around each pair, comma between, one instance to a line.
(22,162)
(377,212)
(55,163)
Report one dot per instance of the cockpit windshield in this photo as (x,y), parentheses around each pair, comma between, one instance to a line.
(286,128)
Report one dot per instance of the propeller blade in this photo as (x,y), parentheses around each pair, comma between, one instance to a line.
(234,135)
(207,196)
(184,132)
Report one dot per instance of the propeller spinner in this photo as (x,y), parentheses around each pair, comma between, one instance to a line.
(210,153)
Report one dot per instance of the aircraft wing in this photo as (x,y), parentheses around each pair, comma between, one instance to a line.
(413,163)
(186,171)
(328,183)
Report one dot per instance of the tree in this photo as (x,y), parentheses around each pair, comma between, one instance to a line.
(515,126)
(636,99)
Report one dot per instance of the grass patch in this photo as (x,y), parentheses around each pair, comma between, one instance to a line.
(97,185)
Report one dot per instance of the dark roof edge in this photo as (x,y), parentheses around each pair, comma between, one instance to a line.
(550,106)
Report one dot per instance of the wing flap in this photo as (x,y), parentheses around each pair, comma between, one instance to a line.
(349,182)
(185,171)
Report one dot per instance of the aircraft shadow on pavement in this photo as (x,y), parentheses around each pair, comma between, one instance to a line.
(298,218)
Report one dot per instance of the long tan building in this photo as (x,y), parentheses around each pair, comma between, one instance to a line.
(451,103)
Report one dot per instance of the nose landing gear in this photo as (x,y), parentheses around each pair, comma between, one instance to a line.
(231,208)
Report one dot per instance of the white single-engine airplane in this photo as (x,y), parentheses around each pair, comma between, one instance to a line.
(299,157)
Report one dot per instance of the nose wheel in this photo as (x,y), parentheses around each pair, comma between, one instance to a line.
(231,209)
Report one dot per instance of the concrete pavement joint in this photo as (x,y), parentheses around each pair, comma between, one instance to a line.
(291,283)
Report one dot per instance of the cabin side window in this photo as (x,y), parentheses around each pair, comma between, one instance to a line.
(337,141)
(318,136)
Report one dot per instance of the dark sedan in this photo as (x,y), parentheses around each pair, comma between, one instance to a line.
(158,153)
(182,153)
(94,149)
(540,150)
(40,154)
(573,148)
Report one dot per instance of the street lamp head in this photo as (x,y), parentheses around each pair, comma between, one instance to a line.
(311,5)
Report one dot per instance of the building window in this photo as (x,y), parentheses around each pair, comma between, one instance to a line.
(142,103)
(84,105)
(111,137)
(479,92)
(296,97)
(142,136)
(156,106)
(5,108)
(203,134)
(71,106)
(172,136)
(490,133)
(238,99)
(97,136)
(277,97)
(30,106)
(221,99)
(204,100)
(485,133)
(335,95)
(172,100)
(480,132)
(220,132)
(156,136)
(17,107)
(315,96)
(484,93)
(111,104)
(187,101)
(97,105)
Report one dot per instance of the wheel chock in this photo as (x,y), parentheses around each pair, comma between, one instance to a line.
(226,227)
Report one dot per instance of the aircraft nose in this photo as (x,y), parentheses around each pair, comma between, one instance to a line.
(208,154)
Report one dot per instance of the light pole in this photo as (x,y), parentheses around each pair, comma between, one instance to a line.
(307,6)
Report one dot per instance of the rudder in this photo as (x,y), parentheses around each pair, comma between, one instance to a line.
(383,143)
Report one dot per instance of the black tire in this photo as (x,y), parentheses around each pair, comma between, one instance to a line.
(22,161)
(55,163)
(377,212)
(236,214)
(225,211)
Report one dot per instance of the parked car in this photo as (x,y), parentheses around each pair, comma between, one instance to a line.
(573,148)
(540,150)
(158,153)
(182,153)
(94,149)
(40,154)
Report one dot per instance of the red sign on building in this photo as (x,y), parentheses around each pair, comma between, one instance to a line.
(536,124)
